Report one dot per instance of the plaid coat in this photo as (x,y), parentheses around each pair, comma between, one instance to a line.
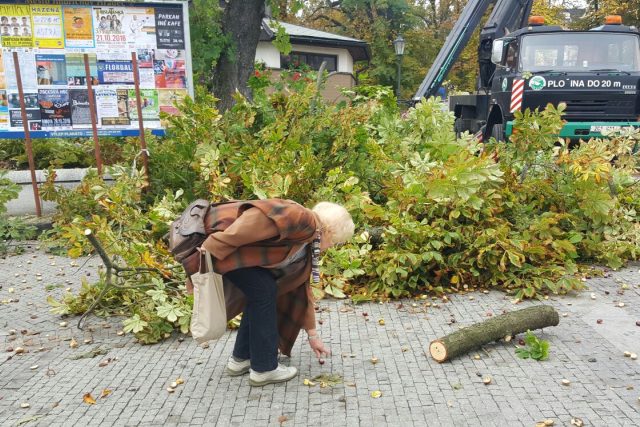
(264,233)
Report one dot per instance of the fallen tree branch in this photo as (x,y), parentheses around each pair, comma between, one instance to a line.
(479,334)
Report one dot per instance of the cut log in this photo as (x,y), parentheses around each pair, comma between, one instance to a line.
(479,334)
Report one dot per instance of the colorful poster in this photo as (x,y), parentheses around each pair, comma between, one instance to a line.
(76,75)
(169,28)
(109,28)
(78,27)
(15,26)
(170,73)
(146,57)
(47,26)
(3,80)
(80,109)
(115,72)
(4,110)
(32,109)
(150,107)
(27,61)
(168,99)
(51,70)
(55,111)
(140,27)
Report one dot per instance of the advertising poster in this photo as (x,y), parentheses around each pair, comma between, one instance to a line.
(55,111)
(76,75)
(109,27)
(115,72)
(150,107)
(78,27)
(140,27)
(4,110)
(169,28)
(146,57)
(27,61)
(171,73)
(168,99)
(147,78)
(32,109)
(80,109)
(51,70)
(3,80)
(47,26)
(106,104)
(15,26)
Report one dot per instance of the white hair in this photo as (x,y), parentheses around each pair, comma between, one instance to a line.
(336,220)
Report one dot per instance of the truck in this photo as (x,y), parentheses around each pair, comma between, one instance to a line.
(525,64)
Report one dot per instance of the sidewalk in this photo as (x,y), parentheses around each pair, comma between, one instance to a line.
(604,387)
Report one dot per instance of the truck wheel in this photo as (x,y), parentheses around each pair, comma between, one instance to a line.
(497,131)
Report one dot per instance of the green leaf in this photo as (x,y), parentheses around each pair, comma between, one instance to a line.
(134,324)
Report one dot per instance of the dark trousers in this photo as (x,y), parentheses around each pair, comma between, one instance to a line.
(257,337)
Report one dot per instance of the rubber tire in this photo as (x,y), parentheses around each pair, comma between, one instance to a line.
(497,132)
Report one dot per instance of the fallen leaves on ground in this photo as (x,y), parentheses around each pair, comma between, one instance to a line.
(376,394)
(106,392)
(88,399)
(282,419)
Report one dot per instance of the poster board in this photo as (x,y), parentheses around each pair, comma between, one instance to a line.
(51,39)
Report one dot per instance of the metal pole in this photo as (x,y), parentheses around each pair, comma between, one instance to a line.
(94,119)
(143,142)
(399,61)
(27,135)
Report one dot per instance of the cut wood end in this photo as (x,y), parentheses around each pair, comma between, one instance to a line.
(87,232)
(438,351)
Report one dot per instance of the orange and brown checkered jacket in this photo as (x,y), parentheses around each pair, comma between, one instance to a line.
(264,233)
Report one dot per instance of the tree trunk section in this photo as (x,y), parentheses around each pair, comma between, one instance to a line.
(479,334)
(241,23)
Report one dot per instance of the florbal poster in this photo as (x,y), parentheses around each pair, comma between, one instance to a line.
(51,40)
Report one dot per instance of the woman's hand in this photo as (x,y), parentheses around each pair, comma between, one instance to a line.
(319,348)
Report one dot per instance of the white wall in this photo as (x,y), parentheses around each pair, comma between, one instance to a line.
(268,54)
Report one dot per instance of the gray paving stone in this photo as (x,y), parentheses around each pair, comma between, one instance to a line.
(415,389)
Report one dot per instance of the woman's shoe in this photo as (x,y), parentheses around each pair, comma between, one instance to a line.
(279,375)
(235,368)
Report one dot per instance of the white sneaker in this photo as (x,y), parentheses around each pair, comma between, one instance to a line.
(235,368)
(279,375)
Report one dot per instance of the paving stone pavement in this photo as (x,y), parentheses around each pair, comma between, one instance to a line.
(416,390)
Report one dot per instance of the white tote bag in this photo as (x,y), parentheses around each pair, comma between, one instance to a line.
(209,316)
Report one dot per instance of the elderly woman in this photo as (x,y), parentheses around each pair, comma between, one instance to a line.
(267,250)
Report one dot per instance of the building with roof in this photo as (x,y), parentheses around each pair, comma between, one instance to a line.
(313,47)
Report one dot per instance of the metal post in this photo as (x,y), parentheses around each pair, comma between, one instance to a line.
(27,135)
(399,61)
(94,118)
(143,142)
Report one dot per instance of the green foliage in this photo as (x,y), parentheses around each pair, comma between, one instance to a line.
(435,213)
(59,153)
(11,229)
(536,348)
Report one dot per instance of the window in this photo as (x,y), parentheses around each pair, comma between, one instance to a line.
(312,60)
(512,55)
(580,52)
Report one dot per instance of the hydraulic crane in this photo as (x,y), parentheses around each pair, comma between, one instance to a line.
(526,64)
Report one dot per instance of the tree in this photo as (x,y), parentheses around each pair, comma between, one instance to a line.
(207,40)
(241,26)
